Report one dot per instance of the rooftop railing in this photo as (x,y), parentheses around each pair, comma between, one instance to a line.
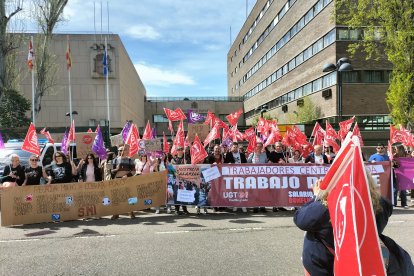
(216,99)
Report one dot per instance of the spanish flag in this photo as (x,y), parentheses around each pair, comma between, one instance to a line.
(68,56)
(30,56)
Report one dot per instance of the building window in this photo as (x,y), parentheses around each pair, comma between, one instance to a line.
(372,76)
(350,77)
(329,38)
(329,80)
(317,85)
(343,34)
(318,46)
(160,118)
(307,89)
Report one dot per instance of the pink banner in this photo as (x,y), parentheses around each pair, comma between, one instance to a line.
(405,173)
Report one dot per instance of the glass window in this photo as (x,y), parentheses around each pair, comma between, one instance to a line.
(278,45)
(308,16)
(307,89)
(284,99)
(354,34)
(294,30)
(268,55)
(298,93)
(276,20)
(350,77)
(307,54)
(372,76)
(318,46)
(317,85)
(301,24)
(292,64)
(160,118)
(290,96)
(318,7)
(279,73)
(343,34)
(299,59)
(329,38)
(329,80)
(274,77)
(277,101)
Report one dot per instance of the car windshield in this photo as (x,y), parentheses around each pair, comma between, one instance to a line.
(5,153)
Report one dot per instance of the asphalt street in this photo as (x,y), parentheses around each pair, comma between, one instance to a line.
(223,243)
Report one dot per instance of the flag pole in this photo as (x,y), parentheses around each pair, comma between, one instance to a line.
(107,86)
(33,90)
(69,67)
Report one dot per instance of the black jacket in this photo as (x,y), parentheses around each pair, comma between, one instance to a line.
(230,159)
(311,158)
(19,172)
(96,170)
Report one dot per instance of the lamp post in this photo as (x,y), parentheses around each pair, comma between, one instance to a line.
(342,65)
(262,109)
(69,114)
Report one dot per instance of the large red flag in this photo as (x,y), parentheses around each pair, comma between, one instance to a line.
(357,249)
(219,123)
(317,128)
(274,136)
(344,127)
(232,118)
(262,126)
(147,132)
(250,136)
(30,56)
(197,151)
(68,55)
(234,134)
(213,134)
(165,145)
(47,135)
(209,118)
(71,135)
(331,136)
(133,140)
(30,143)
(396,136)
(406,136)
(175,115)
(179,137)
(357,133)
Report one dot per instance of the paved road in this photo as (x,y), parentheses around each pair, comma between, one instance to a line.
(224,243)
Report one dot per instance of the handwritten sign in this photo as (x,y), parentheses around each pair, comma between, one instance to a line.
(117,140)
(211,174)
(43,203)
(150,145)
(201,130)
(185,196)
(189,173)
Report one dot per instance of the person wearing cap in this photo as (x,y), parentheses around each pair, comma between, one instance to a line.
(380,155)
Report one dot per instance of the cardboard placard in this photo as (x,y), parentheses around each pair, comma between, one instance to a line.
(84,142)
(62,202)
(150,145)
(117,140)
(202,131)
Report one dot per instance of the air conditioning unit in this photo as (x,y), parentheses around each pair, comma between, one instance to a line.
(327,93)
(300,102)
(284,108)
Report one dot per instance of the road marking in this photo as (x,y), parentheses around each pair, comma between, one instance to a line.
(25,240)
(61,238)
(172,232)
(397,221)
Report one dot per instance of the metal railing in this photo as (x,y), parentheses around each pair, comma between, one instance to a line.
(172,99)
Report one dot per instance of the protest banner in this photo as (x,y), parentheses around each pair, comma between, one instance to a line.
(117,140)
(405,173)
(62,202)
(152,145)
(201,130)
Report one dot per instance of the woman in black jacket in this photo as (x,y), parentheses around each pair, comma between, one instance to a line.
(89,169)
(14,173)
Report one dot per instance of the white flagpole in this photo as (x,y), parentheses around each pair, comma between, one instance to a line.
(107,86)
(70,87)
(33,90)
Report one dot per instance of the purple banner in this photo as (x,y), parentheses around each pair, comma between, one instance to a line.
(405,173)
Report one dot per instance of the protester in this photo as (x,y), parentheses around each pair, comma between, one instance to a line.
(89,169)
(14,172)
(296,158)
(317,157)
(329,154)
(61,171)
(143,165)
(216,157)
(258,156)
(399,152)
(236,157)
(277,156)
(162,166)
(35,172)
(380,155)
(107,166)
(179,159)
(187,155)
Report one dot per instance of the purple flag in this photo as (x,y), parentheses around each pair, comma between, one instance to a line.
(153,133)
(194,117)
(1,142)
(125,130)
(64,146)
(405,173)
(228,142)
(98,145)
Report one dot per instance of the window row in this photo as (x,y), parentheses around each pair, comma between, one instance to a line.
(269,28)
(258,18)
(300,92)
(312,50)
(316,9)
(367,76)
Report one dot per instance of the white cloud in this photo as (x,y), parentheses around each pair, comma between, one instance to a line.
(159,77)
(145,32)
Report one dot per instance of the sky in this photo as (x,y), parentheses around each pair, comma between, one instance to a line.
(179,47)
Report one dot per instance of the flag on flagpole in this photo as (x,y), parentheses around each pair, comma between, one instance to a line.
(30,143)
(165,145)
(133,140)
(105,63)
(1,142)
(64,143)
(197,151)
(30,56)
(68,55)
(147,132)
(47,135)
(71,136)
(98,145)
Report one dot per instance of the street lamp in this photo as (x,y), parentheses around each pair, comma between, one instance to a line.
(262,109)
(73,113)
(342,65)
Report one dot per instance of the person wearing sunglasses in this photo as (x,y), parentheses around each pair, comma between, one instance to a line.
(35,172)
(380,155)
(62,170)
(89,169)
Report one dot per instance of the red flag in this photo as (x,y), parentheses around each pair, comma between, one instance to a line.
(389,151)
(274,136)
(219,123)
(30,143)
(287,139)
(357,249)
(187,142)
(197,151)
(307,148)
(179,137)
(344,127)
(165,145)
(68,55)
(250,135)
(209,118)
(47,135)
(175,115)
(396,136)
(133,140)
(331,136)
(90,130)
(147,132)
(71,135)
(232,118)
(214,134)
(262,126)
(317,128)
(234,134)
(318,138)
(30,56)
(406,136)
(357,133)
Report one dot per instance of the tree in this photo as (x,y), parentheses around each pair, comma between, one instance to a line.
(8,44)
(48,14)
(13,108)
(307,113)
(265,116)
(388,28)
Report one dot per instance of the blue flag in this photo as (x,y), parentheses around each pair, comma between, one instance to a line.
(98,146)
(105,63)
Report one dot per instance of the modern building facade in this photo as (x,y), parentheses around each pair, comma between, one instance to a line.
(277,58)
(88,84)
